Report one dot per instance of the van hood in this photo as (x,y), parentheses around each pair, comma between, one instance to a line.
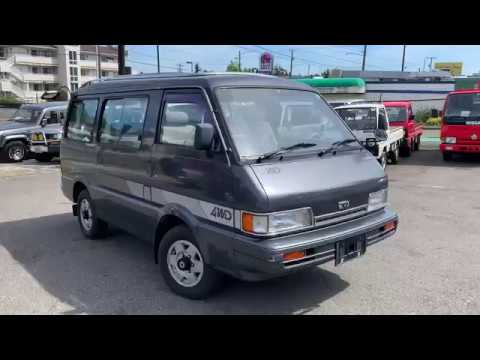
(7,127)
(321,182)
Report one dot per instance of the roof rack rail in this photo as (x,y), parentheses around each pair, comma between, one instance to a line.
(168,75)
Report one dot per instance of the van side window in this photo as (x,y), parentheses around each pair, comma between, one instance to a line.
(122,121)
(382,120)
(82,120)
(181,112)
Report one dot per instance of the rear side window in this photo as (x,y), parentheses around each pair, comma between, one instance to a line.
(122,121)
(181,113)
(82,120)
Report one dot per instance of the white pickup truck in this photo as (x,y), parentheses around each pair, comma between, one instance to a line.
(369,121)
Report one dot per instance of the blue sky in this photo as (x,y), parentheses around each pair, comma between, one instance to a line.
(143,58)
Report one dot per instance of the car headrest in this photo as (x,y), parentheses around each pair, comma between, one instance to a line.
(177,118)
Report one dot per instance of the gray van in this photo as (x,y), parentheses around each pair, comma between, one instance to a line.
(247,175)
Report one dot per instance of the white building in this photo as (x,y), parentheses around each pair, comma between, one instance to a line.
(27,71)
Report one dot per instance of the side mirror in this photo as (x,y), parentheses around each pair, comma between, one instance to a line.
(43,122)
(434,113)
(203,136)
(440,113)
(371,142)
(412,117)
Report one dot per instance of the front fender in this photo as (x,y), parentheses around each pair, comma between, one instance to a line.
(7,138)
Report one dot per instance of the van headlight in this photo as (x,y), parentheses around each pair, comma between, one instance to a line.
(450,140)
(278,222)
(377,200)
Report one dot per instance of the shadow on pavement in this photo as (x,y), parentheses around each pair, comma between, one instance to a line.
(117,275)
(433,157)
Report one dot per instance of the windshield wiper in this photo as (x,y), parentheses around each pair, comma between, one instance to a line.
(284,150)
(333,148)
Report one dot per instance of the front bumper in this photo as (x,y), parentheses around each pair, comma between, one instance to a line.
(40,148)
(254,260)
(460,148)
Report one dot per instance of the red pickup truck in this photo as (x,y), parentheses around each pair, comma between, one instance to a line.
(460,131)
(401,114)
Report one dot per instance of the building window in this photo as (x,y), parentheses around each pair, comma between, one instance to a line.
(3,53)
(83,57)
(73,74)
(73,86)
(104,73)
(36,87)
(72,56)
(35,69)
(107,59)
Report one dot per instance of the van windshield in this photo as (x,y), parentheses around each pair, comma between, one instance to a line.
(396,113)
(266,120)
(462,109)
(359,118)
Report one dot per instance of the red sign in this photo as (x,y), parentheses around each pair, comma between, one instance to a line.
(266,63)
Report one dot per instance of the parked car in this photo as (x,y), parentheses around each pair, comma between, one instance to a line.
(248,175)
(400,114)
(45,142)
(460,130)
(14,133)
(370,121)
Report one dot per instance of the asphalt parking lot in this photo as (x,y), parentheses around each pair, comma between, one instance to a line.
(429,267)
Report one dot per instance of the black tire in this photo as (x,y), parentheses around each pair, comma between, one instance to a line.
(416,146)
(208,282)
(406,150)
(16,151)
(44,157)
(98,228)
(447,156)
(394,156)
(383,160)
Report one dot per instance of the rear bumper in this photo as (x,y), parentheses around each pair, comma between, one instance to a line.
(459,148)
(254,260)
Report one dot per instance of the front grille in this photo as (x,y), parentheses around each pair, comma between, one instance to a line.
(340,216)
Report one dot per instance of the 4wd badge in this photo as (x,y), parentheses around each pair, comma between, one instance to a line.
(343,205)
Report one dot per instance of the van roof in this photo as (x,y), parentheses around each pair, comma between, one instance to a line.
(396,103)
(206,80)
(470,91)
(45,105)
(363,105)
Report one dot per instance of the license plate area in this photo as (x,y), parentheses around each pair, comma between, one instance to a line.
(349,249)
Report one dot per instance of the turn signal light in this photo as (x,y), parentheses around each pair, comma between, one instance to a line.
(296,255)
(390,226)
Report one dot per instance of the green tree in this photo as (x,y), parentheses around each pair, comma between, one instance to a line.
(232,67)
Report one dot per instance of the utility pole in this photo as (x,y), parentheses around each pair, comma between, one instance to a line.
(180,67)
(191,65)
(308,73)
(403,58)
(364,57)
(291,62)
(121,59)
(99,71)
(158,59)
(239,62)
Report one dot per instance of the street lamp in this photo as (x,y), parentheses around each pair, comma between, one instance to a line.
(191,65)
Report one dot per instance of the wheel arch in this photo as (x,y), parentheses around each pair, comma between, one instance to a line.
(174,215)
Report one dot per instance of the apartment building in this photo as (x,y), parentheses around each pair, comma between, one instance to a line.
(27,71)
